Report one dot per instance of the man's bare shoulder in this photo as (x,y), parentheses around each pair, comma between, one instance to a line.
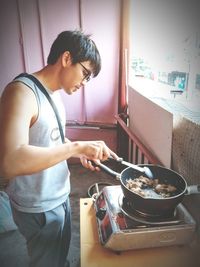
(16,89)
(18,98)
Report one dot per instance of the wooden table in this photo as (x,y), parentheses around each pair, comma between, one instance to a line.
(93,254)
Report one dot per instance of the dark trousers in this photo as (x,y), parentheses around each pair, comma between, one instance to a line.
(47,235)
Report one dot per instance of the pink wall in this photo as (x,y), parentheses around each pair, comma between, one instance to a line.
(28,28)
(11,53)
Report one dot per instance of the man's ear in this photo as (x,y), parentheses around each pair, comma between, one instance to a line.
(66,59)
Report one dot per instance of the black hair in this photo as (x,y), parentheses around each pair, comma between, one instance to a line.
(80,46)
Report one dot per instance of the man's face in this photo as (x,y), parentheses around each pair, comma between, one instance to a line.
(76,76)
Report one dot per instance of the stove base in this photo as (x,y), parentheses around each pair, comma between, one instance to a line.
(93,254)
(120,233)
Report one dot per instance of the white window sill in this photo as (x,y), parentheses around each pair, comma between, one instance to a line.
(177,103)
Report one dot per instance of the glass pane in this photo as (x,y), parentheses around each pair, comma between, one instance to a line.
(165,48)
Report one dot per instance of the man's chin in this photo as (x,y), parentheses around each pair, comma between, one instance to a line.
(70,92)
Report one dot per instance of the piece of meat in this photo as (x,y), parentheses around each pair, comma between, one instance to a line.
(146,180)
(139,191)
(165,188)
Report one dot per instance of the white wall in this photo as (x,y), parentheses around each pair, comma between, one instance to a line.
(152,124)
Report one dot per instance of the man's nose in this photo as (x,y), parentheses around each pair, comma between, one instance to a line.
(83,83)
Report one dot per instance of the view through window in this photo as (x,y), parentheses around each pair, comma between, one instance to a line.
(165,52)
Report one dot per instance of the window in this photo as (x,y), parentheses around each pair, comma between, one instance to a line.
(165,51)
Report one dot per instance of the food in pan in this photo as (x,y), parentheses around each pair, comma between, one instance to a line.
(145,187)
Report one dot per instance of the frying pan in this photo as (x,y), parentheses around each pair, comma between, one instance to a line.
(153,206)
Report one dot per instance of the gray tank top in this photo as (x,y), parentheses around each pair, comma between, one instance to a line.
(49,188)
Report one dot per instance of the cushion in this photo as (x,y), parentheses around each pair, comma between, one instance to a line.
(6,220)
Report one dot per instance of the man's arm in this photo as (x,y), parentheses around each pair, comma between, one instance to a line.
(18,111)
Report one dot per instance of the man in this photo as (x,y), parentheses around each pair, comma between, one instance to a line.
(33,156)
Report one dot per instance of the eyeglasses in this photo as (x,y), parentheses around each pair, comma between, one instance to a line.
(87,74)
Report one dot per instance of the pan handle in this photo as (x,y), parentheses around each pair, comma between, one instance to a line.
(109,171)
(193,189)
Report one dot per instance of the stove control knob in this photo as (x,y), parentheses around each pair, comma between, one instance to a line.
(101,213)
